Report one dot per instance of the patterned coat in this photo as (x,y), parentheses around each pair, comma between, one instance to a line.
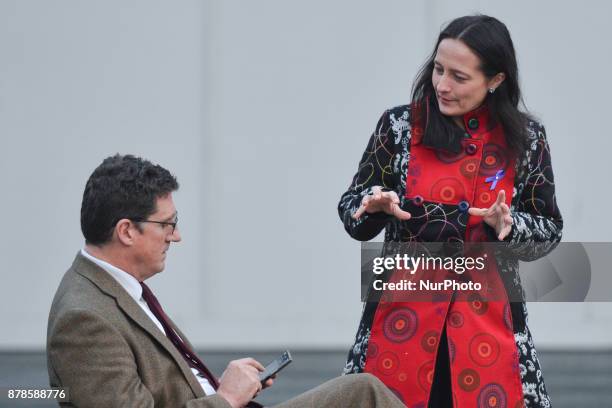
(536,218)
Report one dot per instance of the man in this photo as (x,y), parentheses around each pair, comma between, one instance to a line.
(108,339)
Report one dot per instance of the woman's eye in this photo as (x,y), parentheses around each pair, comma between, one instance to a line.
(459,79)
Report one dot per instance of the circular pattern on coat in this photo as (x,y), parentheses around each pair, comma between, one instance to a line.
(455,319)
(372,351)
(493,159)
(485,197)
(469,168)
(492,396)
(447,189)
(449,157)
(469,380)
(447,193)
(429,341)
(387,363)
(478,304)
(400,325)
(484,349)
(425,375)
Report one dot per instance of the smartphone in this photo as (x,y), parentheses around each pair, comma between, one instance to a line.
(275,366)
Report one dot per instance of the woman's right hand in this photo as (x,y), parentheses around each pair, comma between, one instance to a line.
(385,201)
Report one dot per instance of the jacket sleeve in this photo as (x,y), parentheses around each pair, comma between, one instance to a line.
(374,170)
(91,358)
(536,222)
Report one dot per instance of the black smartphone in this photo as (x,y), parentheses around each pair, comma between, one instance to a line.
(275,366)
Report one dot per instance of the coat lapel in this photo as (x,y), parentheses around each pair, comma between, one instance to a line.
(107,284)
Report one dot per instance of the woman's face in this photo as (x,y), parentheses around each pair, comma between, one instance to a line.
(459,83)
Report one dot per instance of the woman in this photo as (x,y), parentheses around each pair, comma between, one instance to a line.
(461,163)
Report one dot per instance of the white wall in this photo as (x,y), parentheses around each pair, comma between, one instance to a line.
(262,110)
(81,80)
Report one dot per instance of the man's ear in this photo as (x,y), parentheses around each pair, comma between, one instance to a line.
(124,231)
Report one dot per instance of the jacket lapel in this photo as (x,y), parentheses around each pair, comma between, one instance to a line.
(126,303)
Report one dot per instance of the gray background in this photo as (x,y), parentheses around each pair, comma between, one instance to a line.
(262,110)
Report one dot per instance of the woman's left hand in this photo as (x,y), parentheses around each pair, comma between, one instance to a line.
(497,216)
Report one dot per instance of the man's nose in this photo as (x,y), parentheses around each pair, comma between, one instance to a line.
(176,235)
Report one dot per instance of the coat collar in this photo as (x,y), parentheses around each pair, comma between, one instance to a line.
(476,123)
(107,284)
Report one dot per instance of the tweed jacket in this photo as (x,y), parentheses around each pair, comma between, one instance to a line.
(108,352)
(536,229)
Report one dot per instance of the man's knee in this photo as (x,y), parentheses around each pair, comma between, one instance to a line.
(365,380)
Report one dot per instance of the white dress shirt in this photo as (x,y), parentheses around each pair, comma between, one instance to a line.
(133,288)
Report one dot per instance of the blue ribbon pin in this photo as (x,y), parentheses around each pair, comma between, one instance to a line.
(494,179)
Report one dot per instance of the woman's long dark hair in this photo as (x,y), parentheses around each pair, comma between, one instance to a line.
(490,40)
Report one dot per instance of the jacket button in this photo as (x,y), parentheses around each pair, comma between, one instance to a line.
(471,149)
(463,206)
(473,123)
(418,200)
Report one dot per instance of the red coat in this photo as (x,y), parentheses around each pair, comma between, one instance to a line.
(490,352)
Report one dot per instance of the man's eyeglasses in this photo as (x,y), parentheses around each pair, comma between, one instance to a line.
(164,223)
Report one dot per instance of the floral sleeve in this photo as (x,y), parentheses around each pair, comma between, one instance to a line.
(374,170)
(537,221)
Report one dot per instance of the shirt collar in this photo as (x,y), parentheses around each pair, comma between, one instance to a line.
(127,281)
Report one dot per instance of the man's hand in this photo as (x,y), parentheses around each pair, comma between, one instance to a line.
(240,383)
(385,201)
(497,216)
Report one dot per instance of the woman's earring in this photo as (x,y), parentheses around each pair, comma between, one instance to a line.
(491,90)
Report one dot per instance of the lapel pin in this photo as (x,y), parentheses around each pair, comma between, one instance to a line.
(494,179)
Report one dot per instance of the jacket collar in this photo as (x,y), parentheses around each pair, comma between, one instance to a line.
(107,284)
(476,123)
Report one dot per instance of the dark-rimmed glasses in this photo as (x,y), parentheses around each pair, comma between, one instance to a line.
(164,223)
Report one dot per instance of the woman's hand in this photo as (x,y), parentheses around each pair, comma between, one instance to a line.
(385,201)
(497,216)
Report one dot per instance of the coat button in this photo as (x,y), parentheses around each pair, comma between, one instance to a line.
(471,149)
(418,200)
(463,206)
(473,123)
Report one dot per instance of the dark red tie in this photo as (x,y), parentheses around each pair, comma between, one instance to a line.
(192,359)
